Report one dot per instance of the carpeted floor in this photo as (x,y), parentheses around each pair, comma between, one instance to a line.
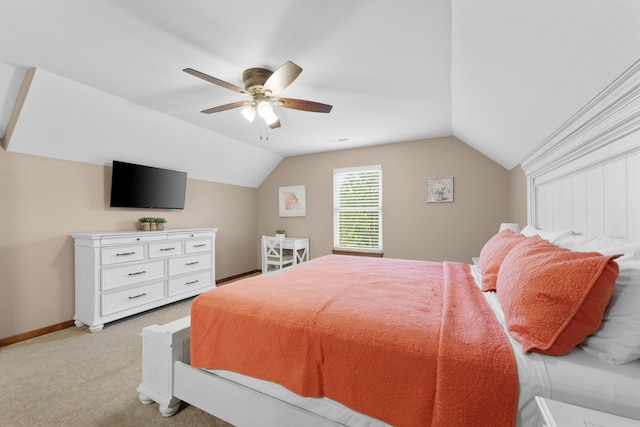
(77,378)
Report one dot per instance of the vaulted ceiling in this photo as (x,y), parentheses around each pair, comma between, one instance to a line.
(501,75)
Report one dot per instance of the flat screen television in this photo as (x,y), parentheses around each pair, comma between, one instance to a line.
(138,186)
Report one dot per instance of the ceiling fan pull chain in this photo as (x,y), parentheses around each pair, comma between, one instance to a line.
(265,128)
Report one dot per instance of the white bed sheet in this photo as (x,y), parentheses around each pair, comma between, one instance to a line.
(323,406)
(584,380)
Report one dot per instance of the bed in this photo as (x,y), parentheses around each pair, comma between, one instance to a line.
(583,210)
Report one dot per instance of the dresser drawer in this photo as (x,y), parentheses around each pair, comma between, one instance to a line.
(122,240)
(189,263)
(189,283)
(166,248)
(198,245)
(191,235)
(121,300)
(113,277)
(117,254)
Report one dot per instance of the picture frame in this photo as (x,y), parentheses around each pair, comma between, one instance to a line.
(292,201)
(439,189)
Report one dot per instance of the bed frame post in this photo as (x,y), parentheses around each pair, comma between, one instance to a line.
(162,346)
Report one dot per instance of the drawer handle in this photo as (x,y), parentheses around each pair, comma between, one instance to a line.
(167,249)
(138,296)
(200,245)
(193,263)
(137,273)
(193,282)
(125,253)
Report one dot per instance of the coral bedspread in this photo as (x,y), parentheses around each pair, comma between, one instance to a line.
(411,343)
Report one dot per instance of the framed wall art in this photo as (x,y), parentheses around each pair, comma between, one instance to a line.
(439,189)
(293,201)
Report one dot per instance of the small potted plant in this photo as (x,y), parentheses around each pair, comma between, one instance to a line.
(280,234)
(160,222)
(145,223)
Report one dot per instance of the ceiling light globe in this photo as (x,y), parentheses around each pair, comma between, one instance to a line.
(265,109)
(249,112)
(271,118)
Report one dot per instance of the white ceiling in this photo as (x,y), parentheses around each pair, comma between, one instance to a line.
(500,75)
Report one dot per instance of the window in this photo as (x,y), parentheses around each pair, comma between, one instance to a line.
(357,208)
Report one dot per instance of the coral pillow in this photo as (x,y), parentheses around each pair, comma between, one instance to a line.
(617,341)
(554,298)
(492,255)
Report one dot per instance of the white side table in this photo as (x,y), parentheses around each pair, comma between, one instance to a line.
(559,414)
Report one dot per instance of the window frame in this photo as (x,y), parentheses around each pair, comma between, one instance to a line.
(341,173)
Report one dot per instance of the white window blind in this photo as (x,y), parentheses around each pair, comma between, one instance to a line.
(357,208)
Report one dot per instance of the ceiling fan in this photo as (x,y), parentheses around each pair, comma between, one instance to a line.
(263,86)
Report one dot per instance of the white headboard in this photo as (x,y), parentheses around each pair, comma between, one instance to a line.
(585,177)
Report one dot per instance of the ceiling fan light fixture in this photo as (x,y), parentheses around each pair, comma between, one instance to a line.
(265,109)
(249,112)
(271,118)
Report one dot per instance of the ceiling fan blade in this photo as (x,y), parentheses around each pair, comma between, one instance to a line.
(216,81)
(225,107)
(282,77)
(301,104)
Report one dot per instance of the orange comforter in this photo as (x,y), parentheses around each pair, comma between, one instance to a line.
(411,343)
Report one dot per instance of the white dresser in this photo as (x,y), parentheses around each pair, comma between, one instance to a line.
(123,273)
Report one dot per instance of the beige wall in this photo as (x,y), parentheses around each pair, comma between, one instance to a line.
(518,196)
(43,201)
(412,228)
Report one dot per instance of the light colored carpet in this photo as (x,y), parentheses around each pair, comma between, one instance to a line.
(77,378)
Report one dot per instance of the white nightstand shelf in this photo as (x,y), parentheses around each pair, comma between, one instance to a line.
(559,414)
